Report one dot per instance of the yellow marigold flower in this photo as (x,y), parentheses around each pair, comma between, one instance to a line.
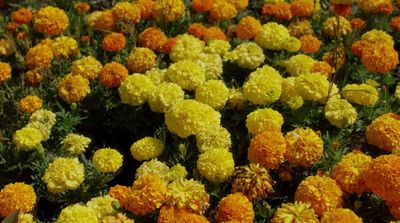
(75,144)
(147,194)
(173,214)
(166,95)
(340,112)
(213,93)
(379,58)
(253,181)
(332,28)
(340,215)
(30,104)
(153,167)
(384,132)
(236,98)
(5,47)
(16,196)
(362,94)
(127,12)
(218,138)
(273,36)
(44,117)
(211,64)
(216,165)
(136,89)
(321,192)
(152,38)
(247,28)
(64,174)
(187,74)
(292,44)
(88,67)
(378,36)
(156,75)
(25,218)
(187,47)
(5,72)
(268,149)
(189,194)
(217,46)
(81,7)
(50,21)
(295,102)
(264,86)
(312,86)
(223,10)
(247,55)
(27,138)
(348,172)
(295,212)
(77,213)
(298,65)
(304,147)
(177,172)
(288,89)
(169,10)
(235,207)
(107,160)
(64,46)
(146,8)
(141,60)
(113,74)
(376,6)
(113,42)
(102,20)
(300,28)
(147,148)
(39,56)
(103,206)
(73,88)
(262,120)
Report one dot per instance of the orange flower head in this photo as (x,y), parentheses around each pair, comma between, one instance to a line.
(146,9)
(30,103)
(105,20)
(384,132)
(303,8)
(357,23)
(172,214)
(198,30)
(39,56)
(120,193)
(202,6)
(222,11)
(379,58)
(340,215)
(310,44)
(168,45)
(152,38)
(395,23)
(323,68)
(113,74)
(16,196)
(235,207)
(214,32)
(22,16)
(114,42)
(281,11)
(247,28)
(5,72)
(343,9)
(50,21)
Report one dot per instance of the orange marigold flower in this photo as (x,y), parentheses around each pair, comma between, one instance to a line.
(120,193)
(22,16)
(126,11)
(395,23)
(168,45)
(152,38)
(11,26)
(114,42)
(198,30)
(247,28)
(82,7)
(105,20)
(323,68)
(340,215)
(16,196)
(357,23)
(30,104)
(222,11)
(172,214)
(379,58)
(321,192)
(39,56)
(214,32)
(113,74)
(302,8)
(281,11)
(202,6)
(384,132)
(146,9)
(5,72)
(235,207)
(33,77)
(343,9)
(267,149)
(310,44)
(300,28)
(50,21)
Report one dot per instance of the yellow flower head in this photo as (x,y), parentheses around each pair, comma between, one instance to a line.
(25,218)
(299,64)
(5,72)
(103,206)
(173,214)
(340,215)
(187,74)
(5,47)
(141,60)
(340,112)
(384,132)
(218,138)
(169,10)
(64,174)
(43,120)
(295,102)
(166,95)
(223,10)
(376,6)
(27,138)
(147,148)
(153,167)
(187,47)
(247,55)
(235,207)
(312,86)
(118,218)
(362,94)
(156,75)
(378,36)
(236,98)
(212,65)
(216,165)
(262,120)
(321,192)
(73,88)
(50,21)
(30,104)
(64,46)
(77,213)
(177,172)
(102,20)
(300,28)
(217,46)
(107,160)
(213,93)
(332,28)
(274,36)
(126,12)
(39,56)
(136,89)
(88,67)
(295,212)
(75,144)
(16,196)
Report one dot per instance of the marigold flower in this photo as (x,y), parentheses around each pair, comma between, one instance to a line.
(295,212)
(222,10)
(42,120)
(146,8)
(197,29)
(321,192)
(64,174)
(312,86)
(322,67)
(187,47)
(5,47)
(127,12)
(25,218)
(247,55)
(136,90)
(73,88)
(187,74)
(340,215)
(16,196)
(141,60)
(240,5)
(384,132)
(82,7)
(120,193)
(113,74)
(378,36)
(273,36)
(168,45)
(157,76)
(362,94)
(379,58)
(216,165)
(22,16)
(376,6)
(211,64)
(348,172)
(27,138)
(333,27)
(50,21)
(87,66)
(173,214)
(300,28)
(213,93)
(152,38)
(30,104)
(5,72)
(280,11)
(32,77)
(77,213)
(154,167)
(218,138)
(262,120)
(103,206)
(39,56)
(113,42)
(288,89)
(236,98)
(357,23)
(166,95)
(340,112)
(302,8)
(177,172)
(203,6)
(107,160)
(147,148)
(215,46)
(214,32)
(335,61)
(247,28)
(342,9)
(310,44)
(169,10)
(118,218)
(75,144)
(64,46)
(235,207)
(103,20)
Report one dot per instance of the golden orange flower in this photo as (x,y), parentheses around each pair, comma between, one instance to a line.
(16,196)
(384,132)
(235,207)
(105,20)
(302,8)
(30,104)
(323,68)
(379,58)
(73,88)
(357,23)
(113,74)
(310,44)
(152,38)
(39,56)
(222,11)
(172,214)
(198,30)
(146,9)
(202,6)
(340,215)
(127,12)
(50,21)
(22,16)
(33,77)
(114,42)
(120,193)
(247,28)
(214,32)
(281,11)
(5,72)
(82,7)
(169,10)
(395,23)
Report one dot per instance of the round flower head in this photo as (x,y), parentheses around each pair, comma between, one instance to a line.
(340,215)
(50,21)
(300,28)
(136,90)
(273,36)
(312,86)
(216,165)
(187,47)
(187,74)
(247,55)
(295,212)
(235,207)
(147,194)
(113,74)
(280,11)
(120,193)
(348,172)
(27,138)
(304,147)
(126,12)
(30,104)
(332,27)
(153,167)
(288,89)
(152,38)
(146,9)
(22,16)
(240,5)
(376,36)
(340,112)
(39,56)
(253,181)
(213,93)
(75,144)
(384,132)
(141,60)
(321,192)
(298,65)
(173,214)
(77,213)
(156,75)
(395,23)
(169,10)
(73,88)
(322,67)
(88,67)
(218,138)
(107,160)
(303,7)
(379,58)
(236,98)
(376,6)
(214,32)
(147,148)
(357,23)
(362,94)
(310,44)
(102,20)
(268,149)
(177,172)
(247,28)
(16,196)
(264,86)
(5,72)
(166,95)
(222,10)
(25,218)
(64,46)
(113,42)
(43,117)
(262,120)
(212,65)
(103,206)
(216,46)
(64,174)
(188,194)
